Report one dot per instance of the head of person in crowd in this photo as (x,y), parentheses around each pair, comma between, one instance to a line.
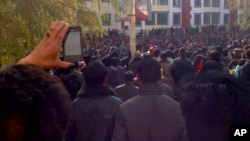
(237,53)
(204,50)
(73,84)
(87,58)
(214,55)
(182,52)
(219,49)
(181,70)
(241,62)
(164,56)
(211,65)
(35,106)
(107,61)
(115,61)
(156,54)
(114,54)
(212,103)
(232,64)
(129,76)
(225,52)
(146,55)
(170,53)
(149,71)
(95,73)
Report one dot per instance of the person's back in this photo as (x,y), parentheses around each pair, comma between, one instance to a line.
(113,76)
(166,65)
(133,65)
(128,89)
(120,70)
(151,115)
(94,109)
(182,56)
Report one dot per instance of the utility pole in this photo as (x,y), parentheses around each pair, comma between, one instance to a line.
(132,39)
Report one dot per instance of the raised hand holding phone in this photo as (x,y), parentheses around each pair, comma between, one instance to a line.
(47,53)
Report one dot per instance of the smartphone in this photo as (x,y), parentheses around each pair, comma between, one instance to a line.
(72,47)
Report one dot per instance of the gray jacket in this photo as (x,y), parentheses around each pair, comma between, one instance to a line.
(93,114)
(149,116)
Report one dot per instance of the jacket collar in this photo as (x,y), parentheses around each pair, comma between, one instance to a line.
(98,90)
(151,89)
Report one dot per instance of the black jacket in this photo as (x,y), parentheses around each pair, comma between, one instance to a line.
(93,114)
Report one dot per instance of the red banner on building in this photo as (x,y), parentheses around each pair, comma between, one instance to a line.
(142,10)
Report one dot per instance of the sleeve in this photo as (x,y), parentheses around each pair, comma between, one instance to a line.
(120,132)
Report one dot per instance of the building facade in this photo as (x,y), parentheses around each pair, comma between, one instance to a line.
(181,13)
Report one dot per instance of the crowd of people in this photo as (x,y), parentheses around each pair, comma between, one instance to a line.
(187,84)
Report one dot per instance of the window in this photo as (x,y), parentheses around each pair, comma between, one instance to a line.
(162,18)
(153,2)
(105,0)
(162,2)
(215,18)
(211,3)
(106,19)
(241,2)
(206,18)
(176,3)
(226,4)
(197,19)
(152,21)
(211,18)
(197,3)
(226,19)
(215,3)
(138,24)
(206,3)
(177,19)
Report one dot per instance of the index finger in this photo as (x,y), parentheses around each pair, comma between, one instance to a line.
(61,30)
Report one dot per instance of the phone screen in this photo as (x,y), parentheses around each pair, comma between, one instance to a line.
(72,47)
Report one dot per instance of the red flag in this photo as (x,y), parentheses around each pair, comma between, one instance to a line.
(140,14)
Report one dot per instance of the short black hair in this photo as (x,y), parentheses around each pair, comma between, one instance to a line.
(35,101)
(164,56)
(170,53)
(211,65)
(95,73)
(156,53)
(149,70)
(73,84)
(214,55)
(180,70)
(232,64)
(115,61)
(212,102)
(241,62)
(129,76)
